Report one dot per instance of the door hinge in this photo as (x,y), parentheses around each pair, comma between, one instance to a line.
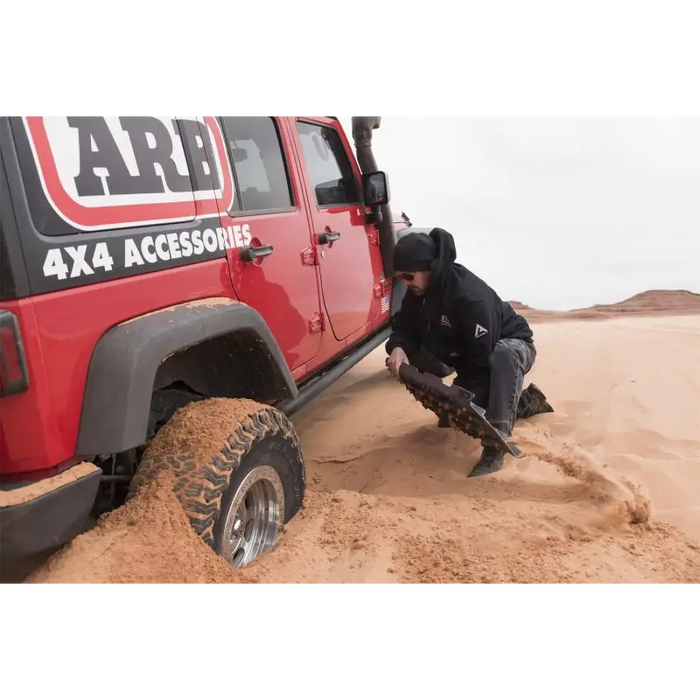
(309,256)
(317,323)
(373,235)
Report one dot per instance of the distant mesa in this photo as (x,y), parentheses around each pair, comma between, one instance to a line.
(656,300)
(661,302)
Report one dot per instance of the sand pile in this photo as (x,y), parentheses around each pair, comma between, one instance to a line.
(148,540)
(578,530)
(609,489)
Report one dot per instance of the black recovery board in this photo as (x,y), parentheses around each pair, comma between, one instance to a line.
(456,404)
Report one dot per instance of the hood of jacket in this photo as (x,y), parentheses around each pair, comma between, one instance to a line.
(442,269)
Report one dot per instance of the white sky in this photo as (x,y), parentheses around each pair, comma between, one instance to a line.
(557,213)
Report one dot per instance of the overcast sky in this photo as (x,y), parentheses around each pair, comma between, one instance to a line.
(558,213)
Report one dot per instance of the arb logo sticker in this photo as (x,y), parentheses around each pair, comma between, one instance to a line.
(117,172)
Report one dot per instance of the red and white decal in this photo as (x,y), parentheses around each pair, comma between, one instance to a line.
(118,172)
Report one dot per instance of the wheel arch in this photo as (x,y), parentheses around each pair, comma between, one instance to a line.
(217,346)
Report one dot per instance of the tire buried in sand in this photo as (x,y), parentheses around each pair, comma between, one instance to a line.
(239,473)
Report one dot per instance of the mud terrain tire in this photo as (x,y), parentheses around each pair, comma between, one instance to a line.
(258,444)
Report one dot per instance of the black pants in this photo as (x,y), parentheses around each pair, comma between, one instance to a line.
(500,391)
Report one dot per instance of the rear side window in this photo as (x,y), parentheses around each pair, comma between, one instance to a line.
(258,163)
(328,165)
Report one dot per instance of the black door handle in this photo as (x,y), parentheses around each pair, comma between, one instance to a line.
(326,238)
(251,254)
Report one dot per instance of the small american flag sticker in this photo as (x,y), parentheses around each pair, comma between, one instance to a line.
(385,304)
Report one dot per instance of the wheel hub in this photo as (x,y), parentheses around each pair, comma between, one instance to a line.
(254,518)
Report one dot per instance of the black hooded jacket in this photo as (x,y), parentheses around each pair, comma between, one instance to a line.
(459,320)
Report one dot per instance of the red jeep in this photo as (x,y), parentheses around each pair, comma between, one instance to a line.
(147,263)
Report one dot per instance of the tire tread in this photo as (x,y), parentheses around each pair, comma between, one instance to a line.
(201,488)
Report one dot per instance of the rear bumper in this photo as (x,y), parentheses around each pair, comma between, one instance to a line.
(39,518)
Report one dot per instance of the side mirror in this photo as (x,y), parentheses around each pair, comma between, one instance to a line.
(375,189)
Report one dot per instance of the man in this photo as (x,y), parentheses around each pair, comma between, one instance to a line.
(451,314)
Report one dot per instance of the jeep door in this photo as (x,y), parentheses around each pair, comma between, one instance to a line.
(270,266)
(348,254)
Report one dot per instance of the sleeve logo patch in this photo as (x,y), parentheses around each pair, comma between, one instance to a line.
(480,331)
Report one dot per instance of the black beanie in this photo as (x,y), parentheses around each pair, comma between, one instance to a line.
(414,252)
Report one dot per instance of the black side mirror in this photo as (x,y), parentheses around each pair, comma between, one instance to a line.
(375,189)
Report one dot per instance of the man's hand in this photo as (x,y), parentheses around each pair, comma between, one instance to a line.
(397,358)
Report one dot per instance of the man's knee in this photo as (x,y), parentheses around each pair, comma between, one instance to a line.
(515,356)
(503,359)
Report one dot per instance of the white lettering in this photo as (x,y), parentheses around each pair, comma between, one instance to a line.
(174,246)
(148,250)
(223,238)
(197,241)
(161,242)
(102,258)
(147,243)
(54,265)
(80,267)
(210,240)
(185,243)
(131,254)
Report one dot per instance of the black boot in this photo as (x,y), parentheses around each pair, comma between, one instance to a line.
(444,421)
(532,402)
(491,461)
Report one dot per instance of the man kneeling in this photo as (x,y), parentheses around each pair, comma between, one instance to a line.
(454,318)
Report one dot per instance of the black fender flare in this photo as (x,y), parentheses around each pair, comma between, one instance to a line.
(124,363)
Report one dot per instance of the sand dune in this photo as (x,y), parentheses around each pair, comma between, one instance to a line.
(609,489)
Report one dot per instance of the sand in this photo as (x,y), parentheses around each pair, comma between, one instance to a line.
(609,489)
(36,489)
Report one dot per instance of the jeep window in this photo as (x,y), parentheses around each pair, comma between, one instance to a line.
(259,166)
(328,165)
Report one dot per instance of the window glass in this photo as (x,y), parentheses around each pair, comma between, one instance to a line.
(256,154)
(328,166)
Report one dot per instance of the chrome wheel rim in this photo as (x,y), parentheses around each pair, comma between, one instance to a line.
(254,518)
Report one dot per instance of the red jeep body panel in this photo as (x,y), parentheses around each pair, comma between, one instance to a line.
(41,425)
(315,311)
(106,219)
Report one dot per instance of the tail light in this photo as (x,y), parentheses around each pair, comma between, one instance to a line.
(13,367)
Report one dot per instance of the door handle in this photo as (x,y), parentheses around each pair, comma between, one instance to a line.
(326,238)
(251,254)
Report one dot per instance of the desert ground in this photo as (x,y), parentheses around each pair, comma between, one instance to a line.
(608,489)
